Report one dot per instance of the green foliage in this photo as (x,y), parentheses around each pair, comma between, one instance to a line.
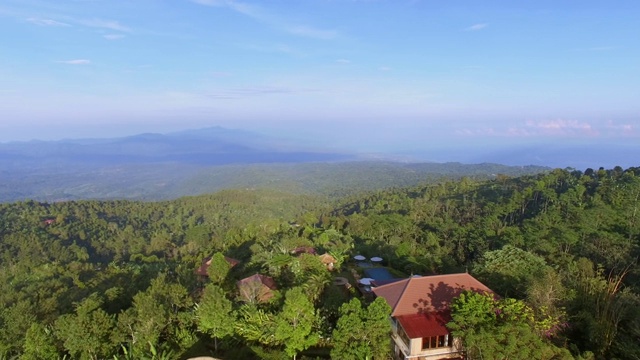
(362,333)
(152,353)
(87,334)
(39,344)
(511,341)
(510,270)
(310,274)
(500,329)
(14,322)
(347,333)
(153,313)
(296,322)
(219,268)
(214,313)
(471,311)
(257,326)
(547,296)
(602,307)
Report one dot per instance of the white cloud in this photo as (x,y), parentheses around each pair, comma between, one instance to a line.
(343,61)
(263,16)
(621,129)
(113,36)
(76,62)
(561,126)
(548,128)
(307,31)
(46,22)
(105,24)
(273,48)
(477,27)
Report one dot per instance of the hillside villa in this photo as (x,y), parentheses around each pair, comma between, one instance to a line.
(420,313)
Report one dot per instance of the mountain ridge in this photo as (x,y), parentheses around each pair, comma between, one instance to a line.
(152,166)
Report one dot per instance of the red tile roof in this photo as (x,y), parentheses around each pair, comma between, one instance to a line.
(265,280)
(425,325)
(233,262)
(427,294)
(257,286)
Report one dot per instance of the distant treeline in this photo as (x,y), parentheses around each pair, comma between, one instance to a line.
(62,181)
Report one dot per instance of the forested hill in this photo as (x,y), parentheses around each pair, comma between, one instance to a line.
(98,279)
(568,243)
(170,180)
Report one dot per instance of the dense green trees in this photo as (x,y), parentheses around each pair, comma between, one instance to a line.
(92,278)
(89,333)
(296,323)
(525,237)
(215,314)
(219,268)
(39,343)
(501,329)
(362,333)
(510,270)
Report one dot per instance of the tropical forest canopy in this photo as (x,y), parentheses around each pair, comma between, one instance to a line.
(56,181)
(116,279)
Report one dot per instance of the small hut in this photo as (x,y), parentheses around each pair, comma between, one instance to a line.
(256,288)
(303,250)
(328,261)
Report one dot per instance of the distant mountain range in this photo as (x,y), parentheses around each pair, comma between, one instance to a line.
(211,146)
(162,166)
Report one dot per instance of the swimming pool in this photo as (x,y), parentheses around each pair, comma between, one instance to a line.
(378,273)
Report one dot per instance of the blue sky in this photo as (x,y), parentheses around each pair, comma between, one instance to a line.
(379,75)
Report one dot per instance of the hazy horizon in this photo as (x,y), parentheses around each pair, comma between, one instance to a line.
(394,147)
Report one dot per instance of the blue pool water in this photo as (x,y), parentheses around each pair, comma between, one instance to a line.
(378,273)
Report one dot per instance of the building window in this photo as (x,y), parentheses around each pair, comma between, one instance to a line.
(403,336)
(394,325)
(434,342)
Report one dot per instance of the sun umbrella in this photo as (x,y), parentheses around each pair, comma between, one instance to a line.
(359,257)
(376,259)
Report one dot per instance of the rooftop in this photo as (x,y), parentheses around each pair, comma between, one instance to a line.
(425,325)
(259,278)
(427,294)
